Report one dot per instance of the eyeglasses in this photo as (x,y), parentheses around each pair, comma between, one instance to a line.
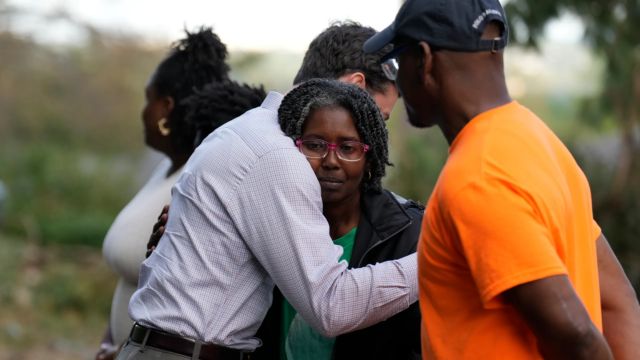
(390,69)
(389,62)
(318,149)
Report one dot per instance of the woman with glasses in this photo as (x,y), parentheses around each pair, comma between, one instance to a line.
(340,130)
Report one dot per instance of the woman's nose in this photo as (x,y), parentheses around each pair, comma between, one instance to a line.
(331,159)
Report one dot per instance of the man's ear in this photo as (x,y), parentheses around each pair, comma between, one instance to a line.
(425,63)
(357,78)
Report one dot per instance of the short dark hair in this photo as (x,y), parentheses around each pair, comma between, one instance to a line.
(314,94)
(192,62)
(218,103)
(338,51)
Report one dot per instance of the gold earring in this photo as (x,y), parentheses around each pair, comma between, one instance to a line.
(162,127)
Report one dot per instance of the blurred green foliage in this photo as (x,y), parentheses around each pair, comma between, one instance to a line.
(417,156)
(63,194)
(70,138)
(612,163)
(71,143)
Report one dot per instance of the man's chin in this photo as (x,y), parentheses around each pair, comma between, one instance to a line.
(416,120)
(420,123)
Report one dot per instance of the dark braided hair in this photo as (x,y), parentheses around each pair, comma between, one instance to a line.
(217,103)
(192,62)
(338,51)
(314,94)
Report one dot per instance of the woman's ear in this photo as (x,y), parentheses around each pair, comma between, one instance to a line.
(168,104)
(367,170)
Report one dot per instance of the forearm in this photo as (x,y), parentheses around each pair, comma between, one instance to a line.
(620,309)
(588,345)
(557,318)
(622,332)
(334,300)
(362,297)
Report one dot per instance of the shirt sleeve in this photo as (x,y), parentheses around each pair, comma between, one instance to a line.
(500,233)
(279,214)
(596,230)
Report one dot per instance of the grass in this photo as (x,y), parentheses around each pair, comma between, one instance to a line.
(56,300)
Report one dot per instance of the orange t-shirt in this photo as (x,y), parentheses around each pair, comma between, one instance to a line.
(511,206)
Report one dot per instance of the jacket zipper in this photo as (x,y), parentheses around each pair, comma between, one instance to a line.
(383,241)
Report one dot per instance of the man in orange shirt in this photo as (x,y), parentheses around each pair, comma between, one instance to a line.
(511,263)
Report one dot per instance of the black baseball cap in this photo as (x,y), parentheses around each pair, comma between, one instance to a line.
(455,25)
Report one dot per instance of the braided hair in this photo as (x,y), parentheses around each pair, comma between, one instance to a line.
(314,94)
(217,103)
(192,62)
(338,51)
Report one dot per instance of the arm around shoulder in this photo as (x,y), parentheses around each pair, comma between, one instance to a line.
(289,237)
(620,309)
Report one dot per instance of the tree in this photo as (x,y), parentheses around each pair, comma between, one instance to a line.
(612,30)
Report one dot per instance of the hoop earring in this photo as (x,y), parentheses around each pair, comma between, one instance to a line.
(162,127)
(369,174)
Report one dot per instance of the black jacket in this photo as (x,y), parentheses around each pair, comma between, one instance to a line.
(389,228)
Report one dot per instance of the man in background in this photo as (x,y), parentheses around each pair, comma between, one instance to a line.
(336,53)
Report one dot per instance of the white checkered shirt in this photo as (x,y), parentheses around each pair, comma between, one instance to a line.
(247,214)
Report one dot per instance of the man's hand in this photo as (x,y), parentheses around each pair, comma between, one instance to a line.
(158,230)
(107,351)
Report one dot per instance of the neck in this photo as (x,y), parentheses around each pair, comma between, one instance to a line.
(470,91)
(343,216)
(457,120)
(177,161)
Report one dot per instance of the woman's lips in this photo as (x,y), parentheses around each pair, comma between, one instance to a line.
(328,183)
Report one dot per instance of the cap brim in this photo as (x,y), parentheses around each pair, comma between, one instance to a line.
(380,40)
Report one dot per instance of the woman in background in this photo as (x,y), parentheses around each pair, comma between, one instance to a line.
(173,129)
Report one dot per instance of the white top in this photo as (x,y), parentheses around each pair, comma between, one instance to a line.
(124,245)
(247,214)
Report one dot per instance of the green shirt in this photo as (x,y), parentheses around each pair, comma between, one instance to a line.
(298,340)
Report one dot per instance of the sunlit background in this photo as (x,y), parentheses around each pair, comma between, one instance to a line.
(72,75)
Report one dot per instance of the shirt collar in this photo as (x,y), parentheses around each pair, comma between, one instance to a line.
(272,101)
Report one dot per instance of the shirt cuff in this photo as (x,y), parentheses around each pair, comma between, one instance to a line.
(409,265)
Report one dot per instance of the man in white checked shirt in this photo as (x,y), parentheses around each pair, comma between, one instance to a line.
(247,215)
